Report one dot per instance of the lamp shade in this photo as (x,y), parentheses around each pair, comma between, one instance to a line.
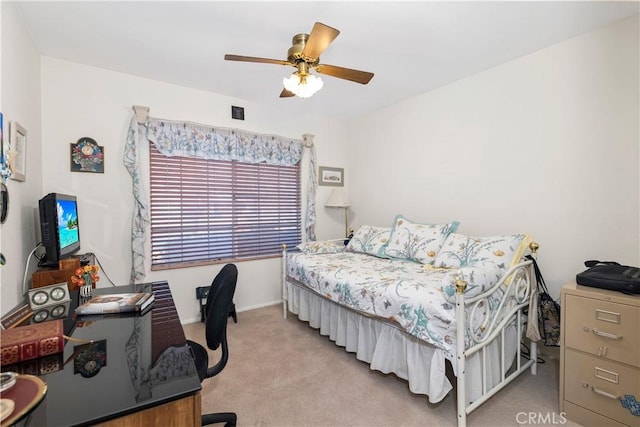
(337,199)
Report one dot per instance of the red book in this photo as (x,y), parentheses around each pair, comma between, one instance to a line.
(31,341)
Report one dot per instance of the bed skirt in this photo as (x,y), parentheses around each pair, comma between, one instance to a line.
(388,349)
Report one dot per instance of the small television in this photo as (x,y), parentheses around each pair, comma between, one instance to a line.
(59,227)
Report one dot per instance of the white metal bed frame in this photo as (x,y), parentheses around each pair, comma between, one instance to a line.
(517,286)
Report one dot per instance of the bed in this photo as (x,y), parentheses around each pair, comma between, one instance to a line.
(408,298)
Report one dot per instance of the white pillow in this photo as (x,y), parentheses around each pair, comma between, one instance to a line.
(369,239)
(417,242)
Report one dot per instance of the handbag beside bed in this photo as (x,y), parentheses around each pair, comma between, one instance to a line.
(548,310)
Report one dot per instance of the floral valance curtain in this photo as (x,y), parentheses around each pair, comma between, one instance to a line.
(188,139)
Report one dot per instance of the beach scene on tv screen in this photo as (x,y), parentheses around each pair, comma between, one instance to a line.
(67,222)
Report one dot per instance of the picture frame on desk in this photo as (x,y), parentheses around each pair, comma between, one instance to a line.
(16,316)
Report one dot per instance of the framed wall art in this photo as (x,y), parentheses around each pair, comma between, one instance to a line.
(17,152)
(5,171)
(87,156)
(331,176)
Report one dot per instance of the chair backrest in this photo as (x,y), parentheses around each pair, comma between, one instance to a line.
(219,303)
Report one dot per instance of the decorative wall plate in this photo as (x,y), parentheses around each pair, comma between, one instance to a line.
(87,156)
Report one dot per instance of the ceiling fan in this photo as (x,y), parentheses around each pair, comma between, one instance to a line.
(304,55)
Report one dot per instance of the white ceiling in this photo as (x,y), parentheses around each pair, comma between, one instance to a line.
(412,47)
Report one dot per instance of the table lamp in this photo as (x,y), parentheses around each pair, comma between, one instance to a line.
(338,199)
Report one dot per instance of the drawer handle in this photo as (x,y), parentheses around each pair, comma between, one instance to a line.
(607,335)
(605,394)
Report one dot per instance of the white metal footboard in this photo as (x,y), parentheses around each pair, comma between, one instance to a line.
(517,288)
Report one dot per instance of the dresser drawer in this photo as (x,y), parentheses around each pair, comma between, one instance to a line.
(599,385)
(588,418)
(602,328)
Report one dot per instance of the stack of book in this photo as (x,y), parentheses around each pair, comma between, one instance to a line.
(117,303)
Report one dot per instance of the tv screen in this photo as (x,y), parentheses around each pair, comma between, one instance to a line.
(67,222)
(59,227)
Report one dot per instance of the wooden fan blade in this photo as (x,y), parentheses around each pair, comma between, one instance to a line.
(255,59)
(362,77)
(286,94)
(320,38)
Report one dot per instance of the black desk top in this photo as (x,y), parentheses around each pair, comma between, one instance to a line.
(144,362)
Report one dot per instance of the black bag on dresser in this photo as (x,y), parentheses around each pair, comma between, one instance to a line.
(610,275)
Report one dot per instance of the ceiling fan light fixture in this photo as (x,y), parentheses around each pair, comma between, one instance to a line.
(303,86)
(304,55)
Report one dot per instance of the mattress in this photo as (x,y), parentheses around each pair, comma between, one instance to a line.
(405,293)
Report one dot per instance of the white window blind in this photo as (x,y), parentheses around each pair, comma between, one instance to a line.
(206,211)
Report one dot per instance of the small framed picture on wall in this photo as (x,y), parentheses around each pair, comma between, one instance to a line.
(17,154)
(331,176)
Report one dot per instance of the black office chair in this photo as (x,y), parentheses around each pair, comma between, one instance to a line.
(218,305)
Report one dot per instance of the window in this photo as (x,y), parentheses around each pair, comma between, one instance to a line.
(207,211)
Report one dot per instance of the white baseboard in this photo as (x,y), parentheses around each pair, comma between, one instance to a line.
(253,307)
(238,310)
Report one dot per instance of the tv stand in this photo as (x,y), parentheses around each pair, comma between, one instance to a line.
(60,272)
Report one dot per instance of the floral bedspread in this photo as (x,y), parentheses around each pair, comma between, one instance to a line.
(402,291)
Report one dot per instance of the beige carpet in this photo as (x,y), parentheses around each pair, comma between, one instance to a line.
(284,373)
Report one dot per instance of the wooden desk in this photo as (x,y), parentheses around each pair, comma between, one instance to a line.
(149,377)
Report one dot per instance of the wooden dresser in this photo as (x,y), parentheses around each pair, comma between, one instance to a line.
(600,356)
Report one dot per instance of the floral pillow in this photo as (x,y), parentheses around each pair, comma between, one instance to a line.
(369,239)
(462,251)
(417,242)
(322,246)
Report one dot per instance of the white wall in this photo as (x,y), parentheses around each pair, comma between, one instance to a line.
(547,144)
(79,101)
(20,102)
